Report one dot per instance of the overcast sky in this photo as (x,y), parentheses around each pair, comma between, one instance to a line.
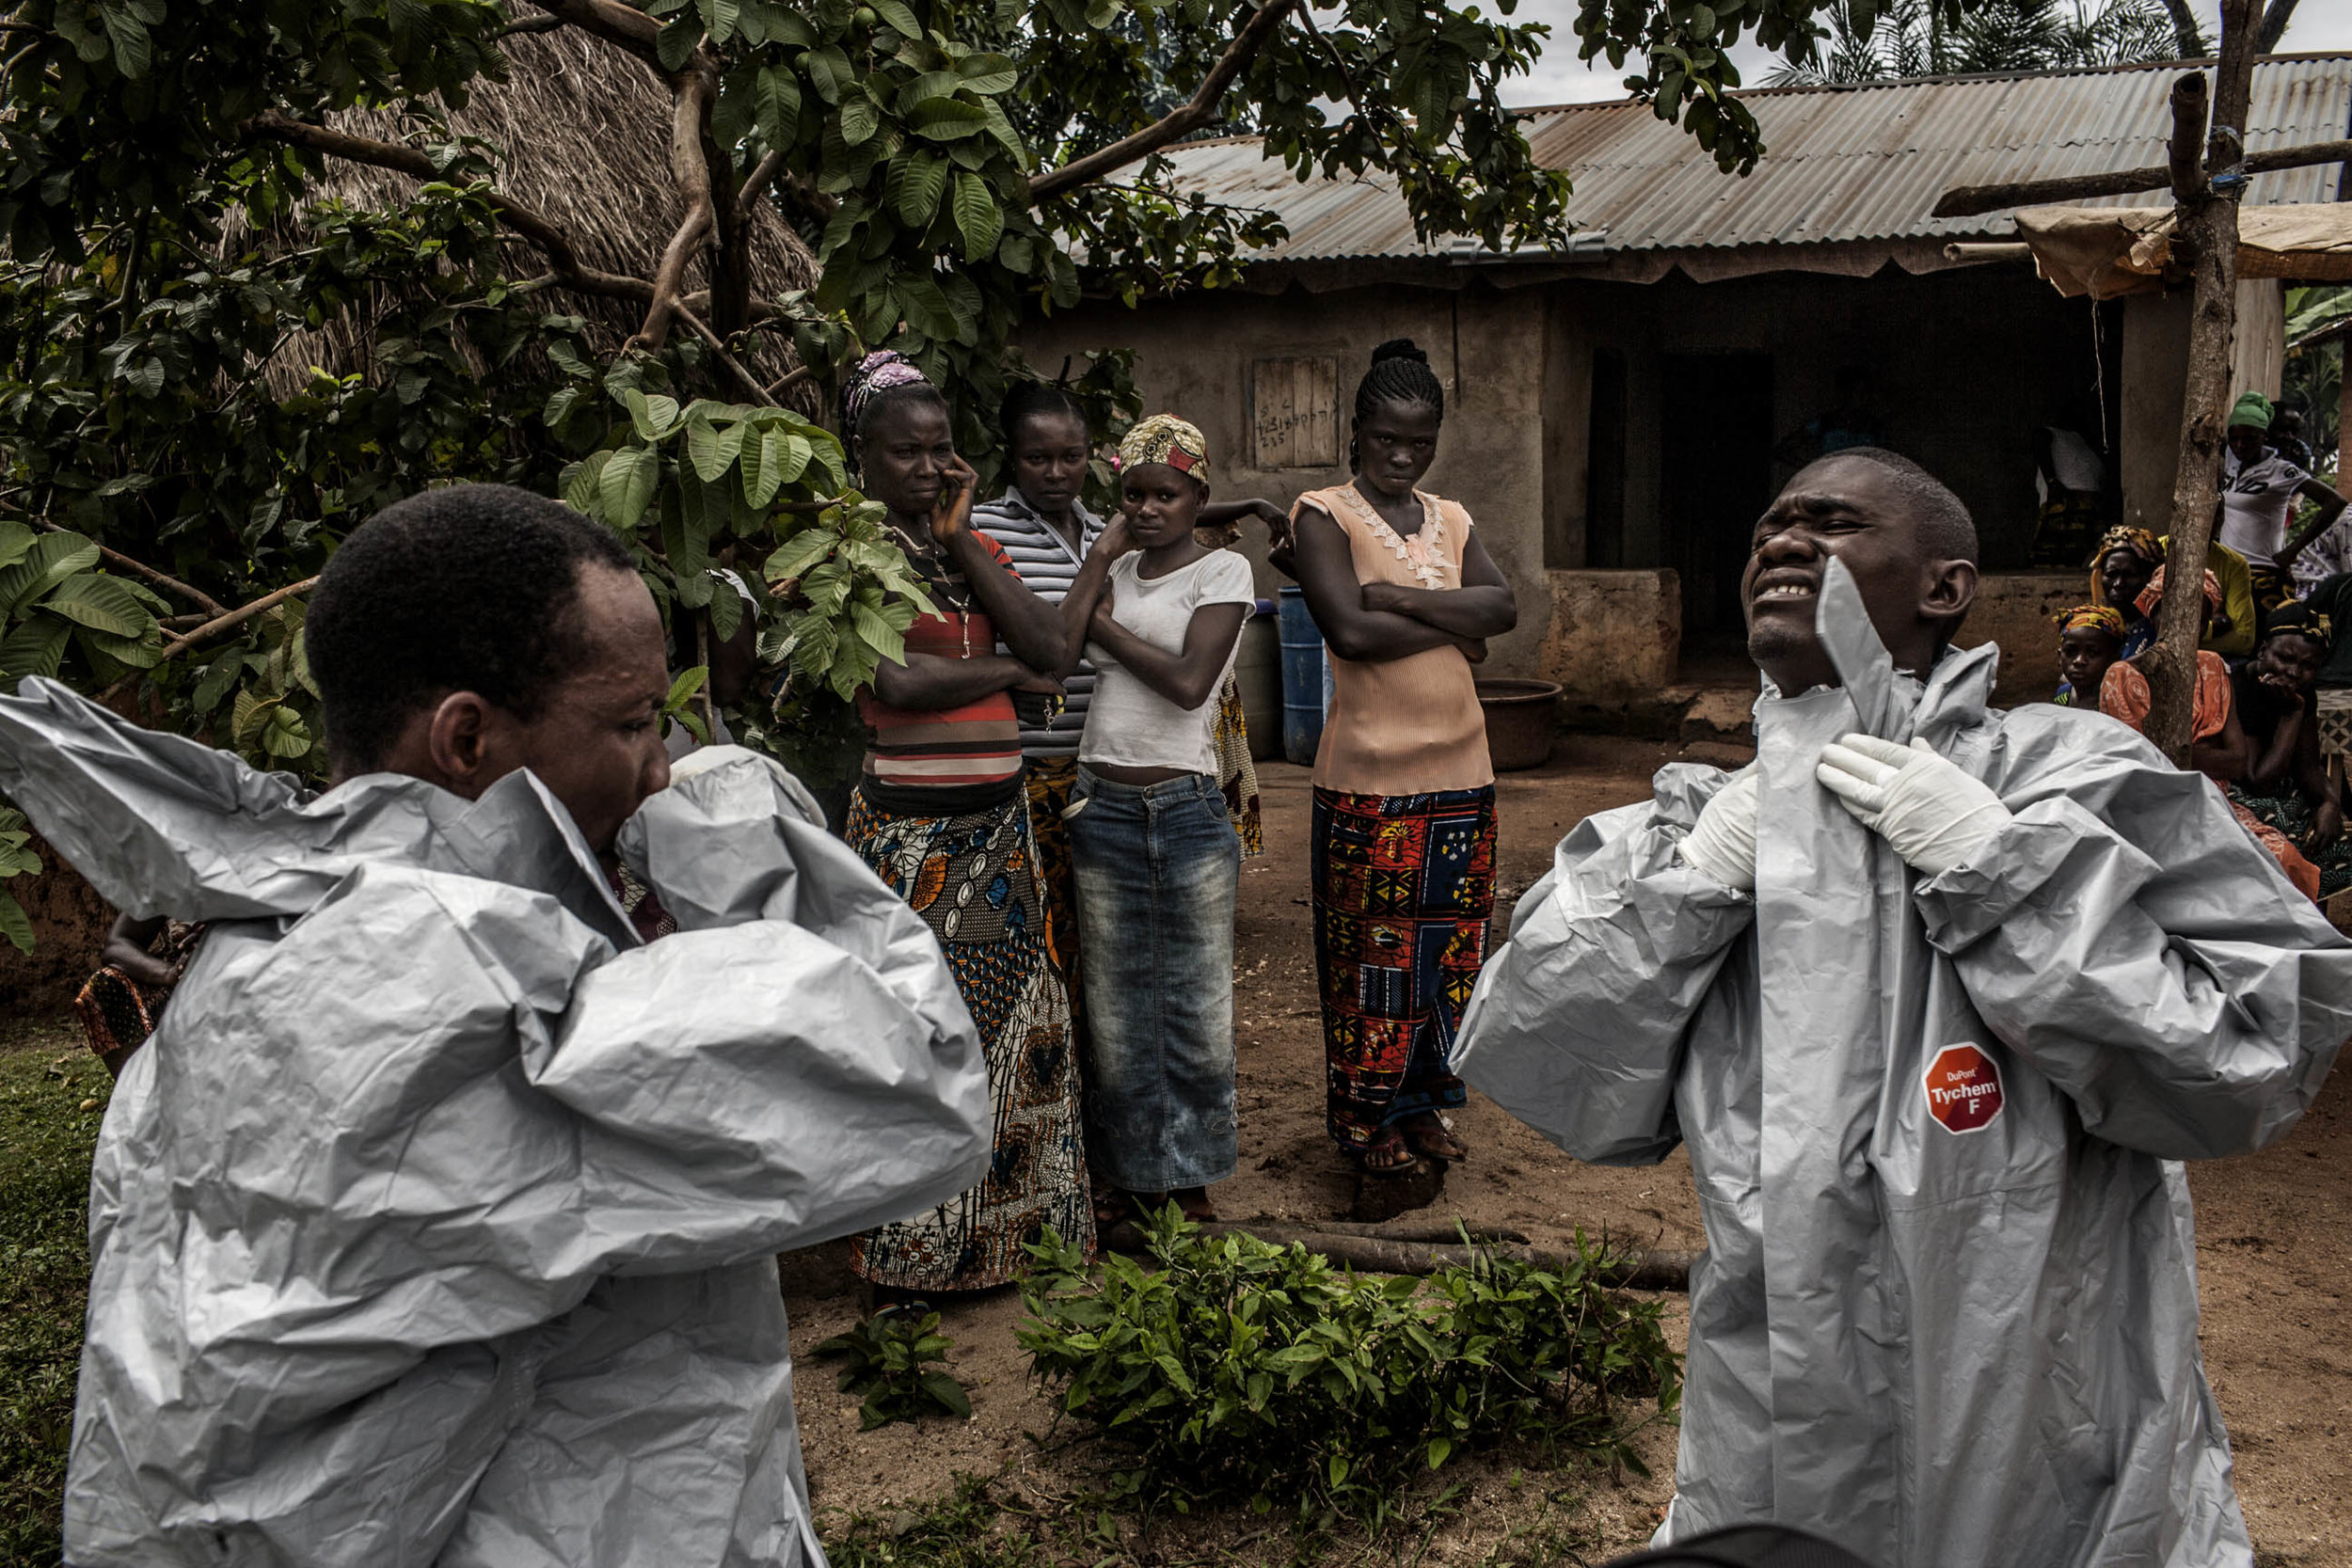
(1561,78)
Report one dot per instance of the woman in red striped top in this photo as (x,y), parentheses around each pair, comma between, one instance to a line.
(941,816)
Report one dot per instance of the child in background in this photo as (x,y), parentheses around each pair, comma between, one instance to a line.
(2090,637)
(1158,862)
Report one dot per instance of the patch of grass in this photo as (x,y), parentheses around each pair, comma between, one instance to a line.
(53,1093)
(968,1530)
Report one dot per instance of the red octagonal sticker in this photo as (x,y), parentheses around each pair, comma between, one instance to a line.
(1964,1089)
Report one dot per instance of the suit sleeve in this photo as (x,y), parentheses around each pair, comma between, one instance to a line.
(1577,1025)
(2131,941)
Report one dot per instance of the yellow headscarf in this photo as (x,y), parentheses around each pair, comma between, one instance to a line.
(1165,438)
(2098,616)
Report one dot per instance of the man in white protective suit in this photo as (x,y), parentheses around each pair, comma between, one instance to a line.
(437,1222)
(1937,995)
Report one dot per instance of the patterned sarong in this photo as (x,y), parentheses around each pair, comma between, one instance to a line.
(1404,888)
(1236,772)
(973,879)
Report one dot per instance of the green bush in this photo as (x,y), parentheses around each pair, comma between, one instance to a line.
(1239,1368)
(889,1355)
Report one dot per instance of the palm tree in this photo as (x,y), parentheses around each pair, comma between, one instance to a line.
(1870,42)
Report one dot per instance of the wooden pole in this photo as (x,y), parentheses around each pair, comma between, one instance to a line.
(2206,240)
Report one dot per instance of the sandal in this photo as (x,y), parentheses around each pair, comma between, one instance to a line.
(1386,1154)
(1429,1135)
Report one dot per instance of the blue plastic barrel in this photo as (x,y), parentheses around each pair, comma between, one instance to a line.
(1306,682)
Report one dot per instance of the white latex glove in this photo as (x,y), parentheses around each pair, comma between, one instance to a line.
(1934,814)
(1721,843)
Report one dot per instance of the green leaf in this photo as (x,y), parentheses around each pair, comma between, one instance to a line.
(655,416)
(675,44)
(52,558)
(285,735)
(627,485)
(712,449)
(1439,1449)
(989,74)
(33,646)
(219,676)
(978,217)
(927,311)
(720,17)
(16,541)
(14,924)
(916,182)
(942,119)
(859,119)
(886,640)
(949,1393)
(133,50)
(777,97)
(793,559)
(682,692)
(783,458)
(900,19)
(101,604)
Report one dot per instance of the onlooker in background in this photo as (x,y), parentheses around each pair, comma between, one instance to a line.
(2216,746)
(1045,531)
(2286,435)
(2259,487)
(2128,557)
(1404,844)
(941,816)
(1158,864)
(122,1004)
(2286,784)
(2090,637)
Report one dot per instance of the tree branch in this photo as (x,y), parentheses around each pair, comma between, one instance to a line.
(550,240)
(1197,112)
(775,389)
(718,346)
(212,628)
(1970,201)
(756,183)
(140,569)
(614,22)
(2274,25)
(690,106)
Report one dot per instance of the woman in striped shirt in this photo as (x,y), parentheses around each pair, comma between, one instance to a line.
(940,816)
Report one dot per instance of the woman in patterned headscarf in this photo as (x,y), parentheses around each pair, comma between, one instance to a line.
(940,816)
(1405,793)
(1158,866)
(2090,637)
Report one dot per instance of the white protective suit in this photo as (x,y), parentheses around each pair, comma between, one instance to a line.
(1947,1313)
(437,1223)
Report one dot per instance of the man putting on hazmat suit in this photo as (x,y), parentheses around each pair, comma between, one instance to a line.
(1937,995)
(435,1223)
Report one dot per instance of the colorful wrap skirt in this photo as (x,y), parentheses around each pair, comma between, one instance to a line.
(2289,816)
(973,879)
(1404,889)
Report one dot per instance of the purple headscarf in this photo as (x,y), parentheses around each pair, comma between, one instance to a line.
(873,375)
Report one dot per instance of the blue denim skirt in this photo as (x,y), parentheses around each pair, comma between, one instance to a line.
(1158,867)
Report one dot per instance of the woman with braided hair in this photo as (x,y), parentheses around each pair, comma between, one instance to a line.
(1403,835)
(941,816)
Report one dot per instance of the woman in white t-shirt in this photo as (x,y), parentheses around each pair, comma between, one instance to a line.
(1158,862)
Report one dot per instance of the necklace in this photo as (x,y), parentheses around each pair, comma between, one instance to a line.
(938,575)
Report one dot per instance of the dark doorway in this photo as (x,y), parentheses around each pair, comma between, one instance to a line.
(1604,471)
(1715,459)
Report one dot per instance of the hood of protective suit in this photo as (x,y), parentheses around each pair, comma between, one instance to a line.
(1948,1314)
(437,1222)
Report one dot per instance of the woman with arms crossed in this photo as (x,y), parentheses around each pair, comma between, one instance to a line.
(1405,801)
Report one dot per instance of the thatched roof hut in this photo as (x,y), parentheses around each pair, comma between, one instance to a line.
(581,136)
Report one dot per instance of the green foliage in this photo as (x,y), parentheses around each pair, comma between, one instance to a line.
(1874,42)
(1238,1368)
(51,1101)
(16,860)
(2314,371)
(890,1366)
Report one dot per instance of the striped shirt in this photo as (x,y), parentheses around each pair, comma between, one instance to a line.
(951,760)
(1046,565)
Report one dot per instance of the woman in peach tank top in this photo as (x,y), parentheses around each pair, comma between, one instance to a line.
(1405,800)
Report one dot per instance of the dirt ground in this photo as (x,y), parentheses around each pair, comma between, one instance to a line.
(2275,1241)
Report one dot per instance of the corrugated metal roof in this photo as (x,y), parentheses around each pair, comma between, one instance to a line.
(1844,163)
